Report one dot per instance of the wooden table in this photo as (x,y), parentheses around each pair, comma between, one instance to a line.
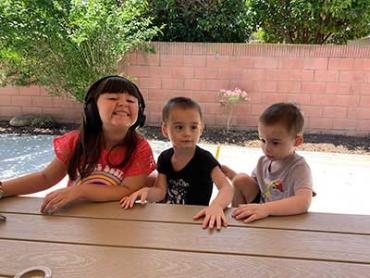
(102,240)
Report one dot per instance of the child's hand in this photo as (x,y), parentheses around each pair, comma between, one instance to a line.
(129,201)
(213,216)
(250,212)
(59,198)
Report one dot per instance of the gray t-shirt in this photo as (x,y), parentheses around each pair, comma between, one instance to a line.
(275,184)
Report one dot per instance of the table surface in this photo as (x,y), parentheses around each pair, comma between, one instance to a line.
(159,240)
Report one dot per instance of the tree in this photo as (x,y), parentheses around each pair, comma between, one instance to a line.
(64,45)
(311,21)
(201,20)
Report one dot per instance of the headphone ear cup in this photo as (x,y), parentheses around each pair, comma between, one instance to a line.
(91,121)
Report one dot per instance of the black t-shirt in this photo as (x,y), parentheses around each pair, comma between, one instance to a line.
(193,184)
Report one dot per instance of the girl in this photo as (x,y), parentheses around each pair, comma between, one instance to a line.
(105,160)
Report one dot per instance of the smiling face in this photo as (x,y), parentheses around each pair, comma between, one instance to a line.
(117,110)
(183,127)
(276,142)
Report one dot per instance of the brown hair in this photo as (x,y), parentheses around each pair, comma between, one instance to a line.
(287,114)
(182,102)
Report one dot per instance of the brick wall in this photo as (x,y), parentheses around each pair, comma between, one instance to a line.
(35,100)
(330,83)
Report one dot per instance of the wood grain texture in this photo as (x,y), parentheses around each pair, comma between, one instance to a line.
(184,237)
(339,223)
(75,261)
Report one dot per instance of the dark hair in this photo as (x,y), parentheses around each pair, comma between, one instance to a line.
(287,114)
(87,151)
(182,102)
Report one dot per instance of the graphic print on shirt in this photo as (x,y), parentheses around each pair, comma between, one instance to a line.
(274,188)
(103,175)
(177,190)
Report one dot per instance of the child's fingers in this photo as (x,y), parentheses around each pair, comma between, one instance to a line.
(218,222)
(199,214)
(224,220)
(132,200)
(143,198)
(243,214)
(251,218)
(206,221)
(123,200)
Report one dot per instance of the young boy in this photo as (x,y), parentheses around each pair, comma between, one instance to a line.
(281,183)
(186,172)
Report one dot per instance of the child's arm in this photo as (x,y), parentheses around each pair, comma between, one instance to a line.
(297,204)
(91,192)
(36,182)
(214,214)
(151,194)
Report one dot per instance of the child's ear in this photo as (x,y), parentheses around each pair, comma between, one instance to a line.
(164,130)
(298,140)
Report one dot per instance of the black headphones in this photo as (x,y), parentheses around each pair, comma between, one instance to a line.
(90,119)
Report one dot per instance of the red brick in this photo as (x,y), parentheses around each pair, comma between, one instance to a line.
(131,58)
(365,101)
(290,63)
(30,91)
(335,112)
(340,63)
(217,85)
(211,108)
(289,75)
(159,95)
(352,76)
(218,61)
(152,83)
(267,86)
(269,98)
(289,86)
(249,121)
(266,62)
(5,100)
(242,62)
(313,87)
(335,100)
(10,111)
(300,99)
(256,74)
(9,91)
(155,107)
(205,73)
(326,75)
(338,88)
(230,73)
(311,111)
(320,123)
(195,61)
(21,100)
(315,63)
(138,71)
(207,97)
(363,125)
(32,110)
(171,60)
(42,101)
(172,83)
(363,113)
(147,59)
(160,72)
(361,64)
(181,72)
(344,124)
(195,84)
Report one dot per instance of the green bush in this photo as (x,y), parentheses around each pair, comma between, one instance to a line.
(64,45)
(311,21)
(201,20)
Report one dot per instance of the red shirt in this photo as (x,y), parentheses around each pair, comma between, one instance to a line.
(141,161)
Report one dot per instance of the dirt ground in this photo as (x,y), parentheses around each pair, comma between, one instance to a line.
(313,142)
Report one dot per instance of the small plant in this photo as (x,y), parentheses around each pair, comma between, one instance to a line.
(229,98)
